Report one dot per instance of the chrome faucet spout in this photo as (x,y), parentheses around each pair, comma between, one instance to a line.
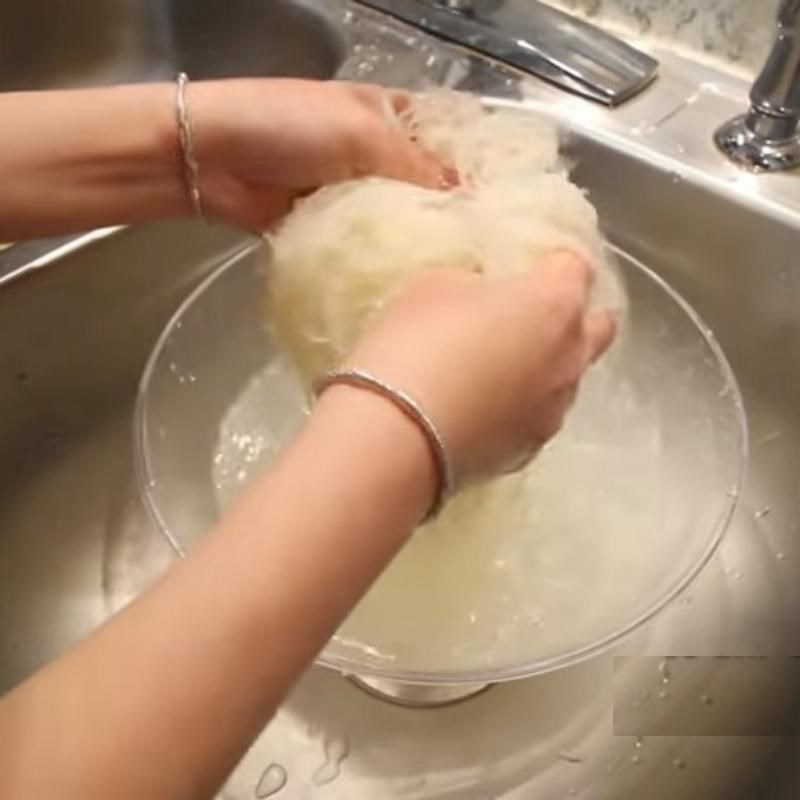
(537,38)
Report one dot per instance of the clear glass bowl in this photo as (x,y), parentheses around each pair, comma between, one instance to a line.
(641,486)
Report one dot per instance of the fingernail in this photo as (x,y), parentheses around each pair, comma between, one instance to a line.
(448,178)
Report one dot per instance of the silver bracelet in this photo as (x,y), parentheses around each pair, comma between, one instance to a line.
(191,170)
(413,411)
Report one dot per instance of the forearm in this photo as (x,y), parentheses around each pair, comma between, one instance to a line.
(163,701)
(81,159)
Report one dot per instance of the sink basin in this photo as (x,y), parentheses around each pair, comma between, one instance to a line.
(73,536)
(49,43)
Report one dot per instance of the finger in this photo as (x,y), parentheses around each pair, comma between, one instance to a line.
(391,102)
(450,178)
(438,283)
(601,330)
(561,283)
(394,153)
(567,267)
(403,160)
(400,100)
(368,93)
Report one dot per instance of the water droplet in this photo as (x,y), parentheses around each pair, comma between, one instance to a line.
(663,695)
(763,512)
(679,763)
(272,780)
(780,556)
(663,669)
(336,749)
(706,699)
(569,758)
(676,178)
(637,759)
(639,742)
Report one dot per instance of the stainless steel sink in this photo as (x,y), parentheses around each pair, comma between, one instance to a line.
(75,544)
(47,43)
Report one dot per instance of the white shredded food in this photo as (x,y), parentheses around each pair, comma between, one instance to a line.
(343,251)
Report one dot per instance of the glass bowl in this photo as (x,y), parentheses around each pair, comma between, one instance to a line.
(627,504)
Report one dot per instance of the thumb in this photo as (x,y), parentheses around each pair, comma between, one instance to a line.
(601,330)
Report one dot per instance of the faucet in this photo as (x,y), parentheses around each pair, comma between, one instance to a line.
(537,39)
(767,138)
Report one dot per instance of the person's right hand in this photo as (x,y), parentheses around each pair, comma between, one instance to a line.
(495,364)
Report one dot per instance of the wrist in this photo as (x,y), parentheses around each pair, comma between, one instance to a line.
(144,153)
(216,144)
(393,452)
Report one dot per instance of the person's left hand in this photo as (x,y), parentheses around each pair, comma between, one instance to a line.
(261,143)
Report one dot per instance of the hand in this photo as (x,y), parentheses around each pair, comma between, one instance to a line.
(496,364)
(262,143)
